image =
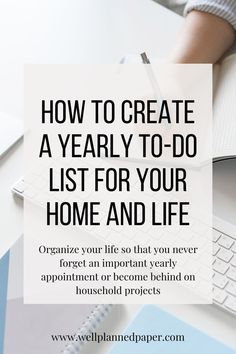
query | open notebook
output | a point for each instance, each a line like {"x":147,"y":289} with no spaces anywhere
{"x":224,"y":107}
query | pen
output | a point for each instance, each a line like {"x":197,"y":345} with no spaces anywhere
{"x":151,"y":76}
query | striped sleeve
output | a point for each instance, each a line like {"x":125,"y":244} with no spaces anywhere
{"x":225,"y":9}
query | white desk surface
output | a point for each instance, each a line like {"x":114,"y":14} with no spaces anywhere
{"x":88,"y":31}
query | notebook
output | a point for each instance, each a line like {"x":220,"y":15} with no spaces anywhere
{"x":11,"y":130}
{"x":224,"y":108}
{"x":153,"y":320}
{"x":32,"y":326}
{"x":224,"y":105}
{"x":4,"y":261}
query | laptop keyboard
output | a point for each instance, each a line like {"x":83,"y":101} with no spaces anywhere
{"x":224,"y":260}
{"x":224,"y":266}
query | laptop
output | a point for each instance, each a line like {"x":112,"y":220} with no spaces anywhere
{"x":11,"y":132}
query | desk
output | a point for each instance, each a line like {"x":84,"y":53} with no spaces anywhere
{"x":86,"y":31}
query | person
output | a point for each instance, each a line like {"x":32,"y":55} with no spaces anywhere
{"x":208,"y":31}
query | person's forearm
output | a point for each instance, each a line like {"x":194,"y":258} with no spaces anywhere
{"x":204,"y":39}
